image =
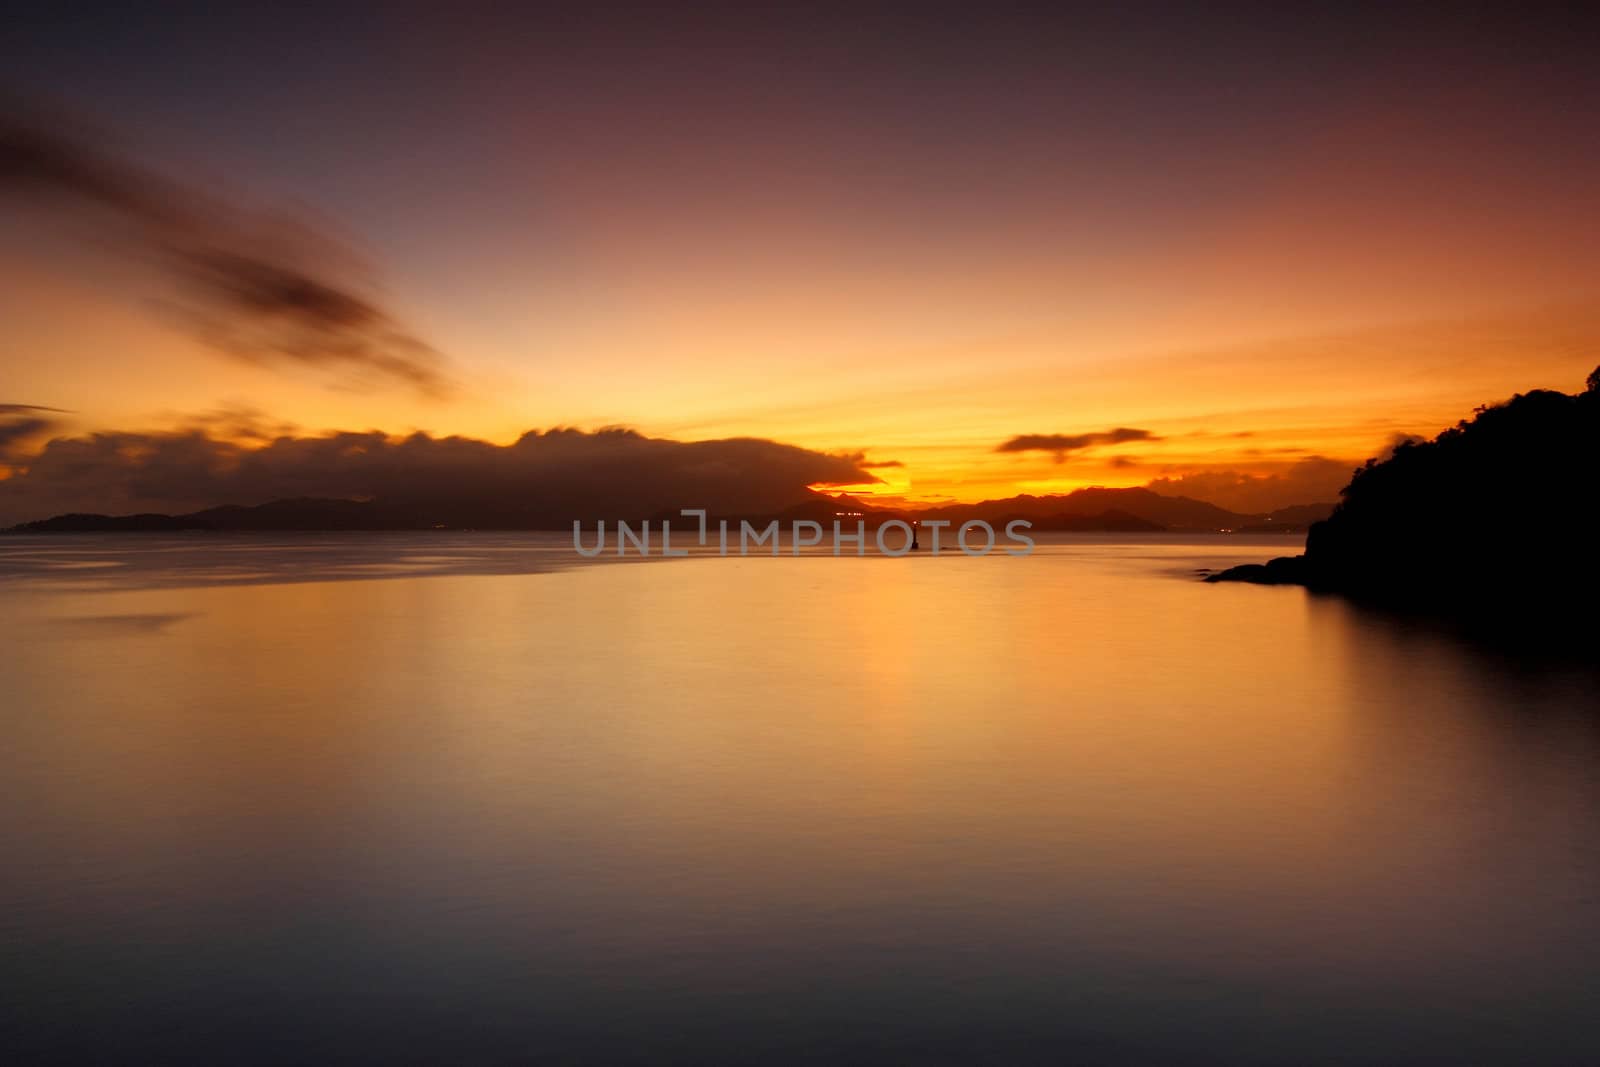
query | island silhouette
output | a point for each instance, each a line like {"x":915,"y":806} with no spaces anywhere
{"x":1492,"y":521}
{"x":1094,"y":510}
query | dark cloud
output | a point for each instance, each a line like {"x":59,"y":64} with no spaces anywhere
{"x":21,"y":423}
{"x":263,"y":291}
{"x":544,"y":475}
{"x":237,"y":422}
{"x":1313,"y":480}
{"x":36,"y":159}
{"x":14,"y":431}
{"x":882,"y":463}
{"x":1061,"y":444}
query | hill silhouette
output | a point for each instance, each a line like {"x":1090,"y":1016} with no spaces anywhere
{"x":1492,"y":519}
{"x":1096,"y":510}
{"x":1112,"y":509}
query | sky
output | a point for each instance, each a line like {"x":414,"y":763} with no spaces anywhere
{"x":965,"y":246}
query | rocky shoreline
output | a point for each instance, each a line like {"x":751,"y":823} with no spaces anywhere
{"x":1284,"y":570}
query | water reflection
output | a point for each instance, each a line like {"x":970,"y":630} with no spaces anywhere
{"x":1070,"y":807}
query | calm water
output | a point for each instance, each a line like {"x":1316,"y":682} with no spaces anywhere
{"x":482,"y":806}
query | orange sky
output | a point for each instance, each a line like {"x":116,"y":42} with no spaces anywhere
{"x":913,"y":262}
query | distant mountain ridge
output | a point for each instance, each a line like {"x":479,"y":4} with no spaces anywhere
{"x":1086,"y":510}
{"x":1167,"y":512}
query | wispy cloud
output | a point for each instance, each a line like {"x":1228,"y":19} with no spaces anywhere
{"x":28,"y":409}
{"x":21,"y":423}
{"x":253,"y":288}
{"x":1062,"y":444}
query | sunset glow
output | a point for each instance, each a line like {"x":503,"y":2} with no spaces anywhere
{"x":912,"y":253}
{"x":791,"y":535}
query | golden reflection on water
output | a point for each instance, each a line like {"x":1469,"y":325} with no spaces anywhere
{"x":1079,"y":774}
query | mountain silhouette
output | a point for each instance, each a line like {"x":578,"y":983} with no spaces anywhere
{"x":304,"y":513}
{"x":1084,"y":511}
{"x":1078,"y":509}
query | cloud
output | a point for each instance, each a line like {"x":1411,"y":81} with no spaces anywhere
{"x":23,"y":409}
{"x":1313,"y":480}
{"x":237,"y":422}
{"x":1061,"y":444}
{"x":21,"y":423}
{"x":545,"y":476}
{"x":880,"y":464}
{"x":257,"y":289}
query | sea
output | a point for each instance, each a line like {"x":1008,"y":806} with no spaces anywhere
{"x":472,"y":798}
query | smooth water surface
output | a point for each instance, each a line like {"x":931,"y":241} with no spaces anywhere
{"x":457,"y":800}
